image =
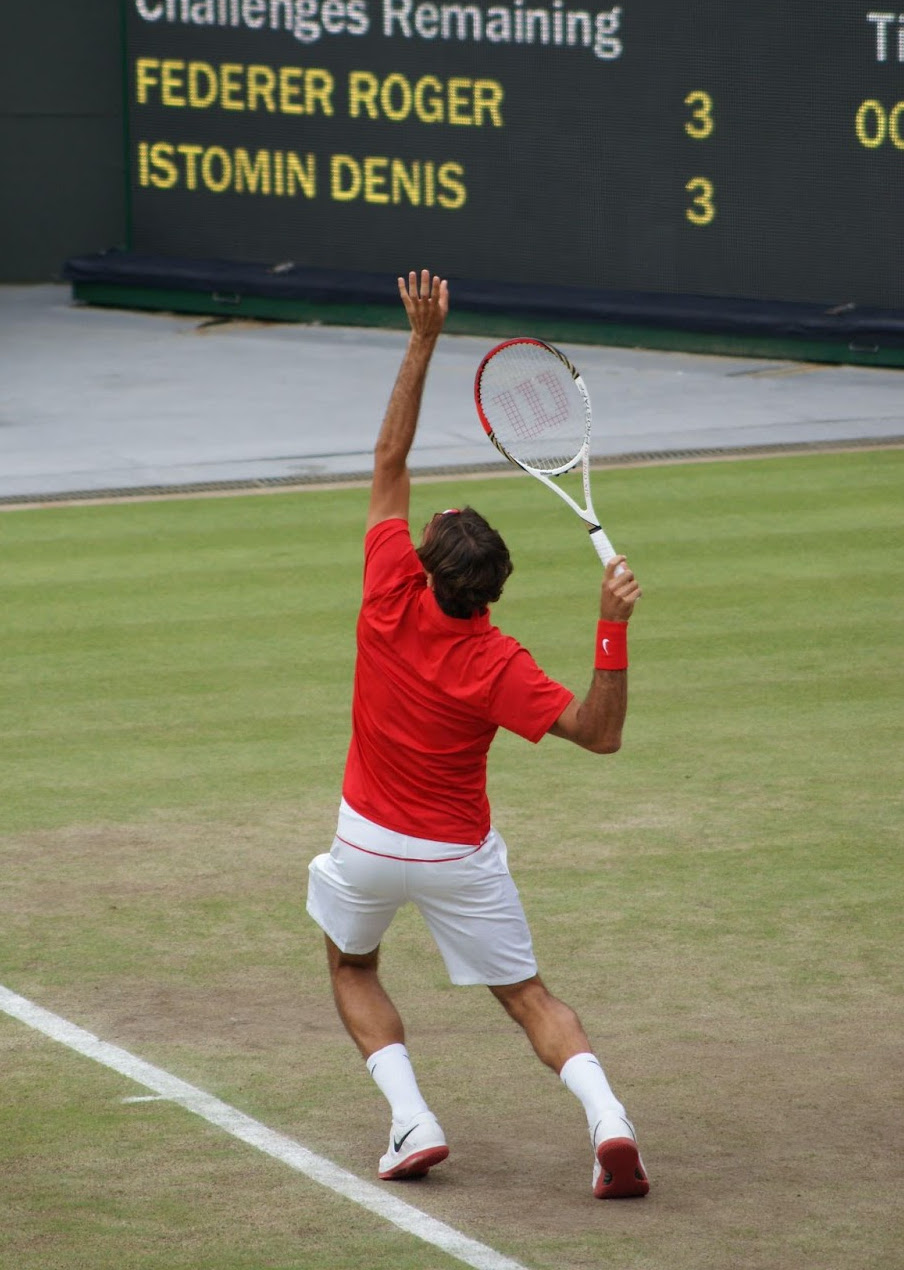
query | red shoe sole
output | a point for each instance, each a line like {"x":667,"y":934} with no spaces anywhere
{"x":622,"y":1175}
{"x":417,"y":1165}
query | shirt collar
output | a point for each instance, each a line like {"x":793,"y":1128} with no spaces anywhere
{"x":463,"y":625}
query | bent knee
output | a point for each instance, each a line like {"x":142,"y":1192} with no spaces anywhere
{"x":341,"y":961}
{"x":518,"y":998}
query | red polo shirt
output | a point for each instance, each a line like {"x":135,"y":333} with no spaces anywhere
{"x":430,"y":692}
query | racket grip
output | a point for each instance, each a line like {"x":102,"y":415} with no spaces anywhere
{"x":603,"y":546}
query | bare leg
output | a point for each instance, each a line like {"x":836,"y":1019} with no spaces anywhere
{"x":552,"y":1027}
{"x":560,"y":1041}
{"x":370,"y":1018}
{"x":376,"y":1027}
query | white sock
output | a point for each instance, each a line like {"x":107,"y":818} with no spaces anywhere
{"x":584,"y":1076}
{"x":391,"y":1069}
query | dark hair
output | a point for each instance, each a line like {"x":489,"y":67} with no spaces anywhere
{"x":468,"y":560}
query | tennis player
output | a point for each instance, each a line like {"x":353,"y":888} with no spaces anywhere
{"x":434,"y":680}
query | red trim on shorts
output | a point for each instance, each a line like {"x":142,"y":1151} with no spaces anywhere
{"x":382,"y":855}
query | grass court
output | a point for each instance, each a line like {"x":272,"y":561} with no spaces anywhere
{"x":720,"y":901}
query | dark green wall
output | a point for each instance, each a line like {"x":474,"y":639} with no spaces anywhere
{"x":61,"y":140}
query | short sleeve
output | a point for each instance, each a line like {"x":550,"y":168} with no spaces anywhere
{"x":389,"y":558}
{"x":525,"y":700}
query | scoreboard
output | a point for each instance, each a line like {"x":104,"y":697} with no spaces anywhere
{"x":720,"y":148}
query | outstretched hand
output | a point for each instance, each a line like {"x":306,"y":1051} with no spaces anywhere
{"x":426,"y":303}
{"x":620,"y":591}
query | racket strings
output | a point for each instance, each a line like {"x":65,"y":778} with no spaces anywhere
{"x":531,"y":412}
{"x":534,"y":407}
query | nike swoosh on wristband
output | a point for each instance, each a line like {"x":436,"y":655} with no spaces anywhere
{"x":606,"y":647}
{"x":397,"y":1146}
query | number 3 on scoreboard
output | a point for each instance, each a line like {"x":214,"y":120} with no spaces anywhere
{"x":701,"y":123}
{"x":702,"y":209}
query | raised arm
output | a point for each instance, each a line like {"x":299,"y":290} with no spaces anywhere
{"x":426,"y":303}
{"x":596,"y":722}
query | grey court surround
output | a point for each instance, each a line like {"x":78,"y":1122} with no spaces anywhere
{"x":95,"y":400}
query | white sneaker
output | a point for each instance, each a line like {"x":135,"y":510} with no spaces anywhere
{"x":618,"y":1171}
{"x":414,"y":1148}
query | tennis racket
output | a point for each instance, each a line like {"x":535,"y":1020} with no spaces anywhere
{"x":535,"y":408}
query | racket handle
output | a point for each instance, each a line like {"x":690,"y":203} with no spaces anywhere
{"x":603,"y":546}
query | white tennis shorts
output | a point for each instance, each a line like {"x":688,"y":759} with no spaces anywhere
{"x":466,"y":895}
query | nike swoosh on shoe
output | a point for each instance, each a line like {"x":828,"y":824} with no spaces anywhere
{"x":397,"y":1143}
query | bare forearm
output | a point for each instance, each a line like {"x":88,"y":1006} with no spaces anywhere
{"x":596,"y":722}
{"x":426,"y":303}
{"x":601,"y":715}
{"x":397,"y":432}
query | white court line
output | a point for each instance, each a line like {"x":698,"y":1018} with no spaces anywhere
{"x":277,"y":1145}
